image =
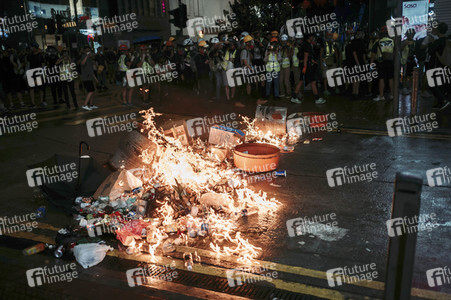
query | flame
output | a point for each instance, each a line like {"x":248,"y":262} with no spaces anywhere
{"x":188,"y":172}
{"x":253,"y":134}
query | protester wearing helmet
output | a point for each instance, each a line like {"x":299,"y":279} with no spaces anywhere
{"x":285,"y":70}
{"x":272,"y":60}
{"x":331,"y":59}
{"x":124,"y":63}
{"x":36,"y":60}
{"x":258,"y":53}
{"x":228,"y":61}
{"x":384,"y":48}
{"x":203,"y":69}
{"x":246,"y":64}
{"x":297,"y":61}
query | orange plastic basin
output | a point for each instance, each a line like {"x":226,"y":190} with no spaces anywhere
{"x":255,"y":157}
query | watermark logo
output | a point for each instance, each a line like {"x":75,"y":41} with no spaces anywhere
{"x":18,"y":23}
{"x":339,"y":276}
{"x":201,"y":126}
{"x":312,"y":124}
{"x":239,"y":276}
{"x":399,"y":26}
{"x":18,"y":123}
{"x":312,"y":225}
{"x":311,"y":25}
{"x":240,"y":76}
{"x":46,"y":275}
{"x":111,"y":124}
{"x":394,"y":27}
{"x":438,"y":276}
{"x":415,"y":124}
{"x":340,"y":76}
{"x":113,"y":24}
{"x":48,"y":175}
{"x":39,"y":76}
{"x":206,"y":25}
{"x":400,"y":226}
{"x":345,"y":175}
{"x":439,"y":76}
{"x":115,"y":223}
{"x":438,"y":176}
{"x":149,"y":274}
{"x":10,"y":225}
{"x":141,"y":76}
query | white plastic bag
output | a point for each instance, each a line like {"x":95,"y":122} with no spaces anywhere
{"x":88,"y":255}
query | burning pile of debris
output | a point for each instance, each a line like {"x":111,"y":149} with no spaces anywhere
{"x":180,"y":192}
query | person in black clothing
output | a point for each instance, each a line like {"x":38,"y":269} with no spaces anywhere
{"x":67,"y":80}
{"x":436,"y":48}
{"x":111,"y":59}
{"x":102,"y":68}
{"x":357,"y":51}
{"x":310,"y":66}
{"x":202,"y":65}
{"x":15,"y":70}
{"x":51,"y":57}
{"x":36,"y":60}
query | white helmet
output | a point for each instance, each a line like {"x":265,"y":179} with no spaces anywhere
{"x":299,"y":35}
{"x":284,"y":38}
{"x":214,"y":40}
{"x":244,"y":33}
{"x":188,"y":42}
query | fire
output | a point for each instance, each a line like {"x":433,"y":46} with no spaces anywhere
{"x":188,"y":173}
{"x":253,"y":134}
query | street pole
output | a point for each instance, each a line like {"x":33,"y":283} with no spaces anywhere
{"x":402,"y":242}
{"x":397,"y":62}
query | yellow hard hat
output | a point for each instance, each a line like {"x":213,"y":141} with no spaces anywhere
{"x":247,"y":38}
{"x":171,"y":38}
{"x":274,"y":33}
{"x":202,"y":44}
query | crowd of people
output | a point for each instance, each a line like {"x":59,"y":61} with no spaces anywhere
{"x":272,"y":64}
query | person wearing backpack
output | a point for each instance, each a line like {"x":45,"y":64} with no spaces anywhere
{"x":384,"y":48}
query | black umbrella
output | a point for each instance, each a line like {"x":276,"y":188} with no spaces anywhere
{"x":62,"y":191}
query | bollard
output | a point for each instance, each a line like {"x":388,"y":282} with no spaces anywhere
{"x":401,"y":246}
{"x":414,"y":95}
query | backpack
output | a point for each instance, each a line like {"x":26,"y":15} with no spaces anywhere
{"x":445,"y":57}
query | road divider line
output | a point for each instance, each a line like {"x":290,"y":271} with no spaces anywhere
{"x":210,"y":270}
{"x":379,"y":132}
{"x":428,"y":294}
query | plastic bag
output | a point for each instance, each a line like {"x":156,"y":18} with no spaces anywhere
{"x":88,"y":255}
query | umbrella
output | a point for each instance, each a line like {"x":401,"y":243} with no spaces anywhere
{"x":61,"y":193}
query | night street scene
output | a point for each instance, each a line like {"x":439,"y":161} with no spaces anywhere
{"x":236,"y":149}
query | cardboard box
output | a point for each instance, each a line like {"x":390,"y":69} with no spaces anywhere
{"x":178,"y":131}
{"x":271,"y":118}
{"x":225,"y":136}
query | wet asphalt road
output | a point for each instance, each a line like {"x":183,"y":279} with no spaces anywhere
{"x":361,"y":208}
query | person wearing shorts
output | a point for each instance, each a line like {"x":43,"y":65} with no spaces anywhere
{"x":385,"y":47}
{"x":87,"y":77}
